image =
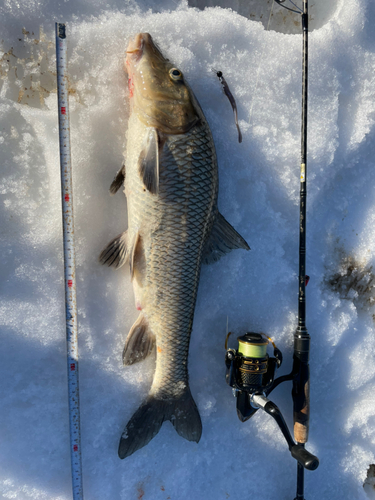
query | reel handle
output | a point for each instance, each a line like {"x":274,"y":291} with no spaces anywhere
{"x":304,"y":457}
{"x":298,"y":451}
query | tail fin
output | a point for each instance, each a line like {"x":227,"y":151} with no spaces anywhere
{"x":147,"y":421}
{"x":186,"y":419}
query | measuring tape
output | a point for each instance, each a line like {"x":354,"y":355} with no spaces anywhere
{"x":69,"y":260}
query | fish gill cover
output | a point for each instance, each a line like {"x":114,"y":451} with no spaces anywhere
{"x":257,"y":290}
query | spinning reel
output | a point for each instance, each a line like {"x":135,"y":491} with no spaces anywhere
{"x":250,"y":371}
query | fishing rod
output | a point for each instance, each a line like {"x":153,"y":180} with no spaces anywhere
{"x":69,"y":260}
{"x":249,"y":370}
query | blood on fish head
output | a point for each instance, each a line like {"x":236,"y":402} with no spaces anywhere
{"x":159,"y":94}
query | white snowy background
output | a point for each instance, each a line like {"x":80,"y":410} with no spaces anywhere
{"x":256,"y":290}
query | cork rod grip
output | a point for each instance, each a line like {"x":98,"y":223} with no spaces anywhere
{"x":301,"y":405}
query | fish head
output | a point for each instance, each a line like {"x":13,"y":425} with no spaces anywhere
{"x":157,"y":89}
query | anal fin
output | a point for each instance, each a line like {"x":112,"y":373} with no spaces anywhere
{"x":139,"y":342}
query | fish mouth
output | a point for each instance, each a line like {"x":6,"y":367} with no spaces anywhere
{"x":134,"y":52}
{"x":136,"y":46}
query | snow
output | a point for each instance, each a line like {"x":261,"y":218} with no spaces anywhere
{"x":256,"y":290}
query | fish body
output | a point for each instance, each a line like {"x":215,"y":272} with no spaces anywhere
{"x":174,"y":225}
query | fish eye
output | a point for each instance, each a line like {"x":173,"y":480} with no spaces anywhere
{"x":175,"y":74}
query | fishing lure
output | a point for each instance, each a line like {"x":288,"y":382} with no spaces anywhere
{"x":228,"y":93}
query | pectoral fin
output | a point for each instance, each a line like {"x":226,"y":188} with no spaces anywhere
{"x":132,"y":253}
{"x":118,"y":181}
{"x":148,"y":163}
{"x":222,"y":240}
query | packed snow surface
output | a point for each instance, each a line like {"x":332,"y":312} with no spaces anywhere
{"x":256,"y":290}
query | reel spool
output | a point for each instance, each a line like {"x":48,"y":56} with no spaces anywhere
{"x":250,"y":370}
{"x":252,"y":353}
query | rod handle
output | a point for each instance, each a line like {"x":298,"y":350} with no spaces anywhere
{"x":301,"y":403}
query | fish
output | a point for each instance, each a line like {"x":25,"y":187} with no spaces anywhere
{"x":174,"y":225}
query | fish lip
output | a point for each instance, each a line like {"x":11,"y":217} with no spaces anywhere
{"x":135,"y":48}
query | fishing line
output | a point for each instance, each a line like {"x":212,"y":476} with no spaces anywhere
{"x":299,"y":10}
{"x":281,"y":3}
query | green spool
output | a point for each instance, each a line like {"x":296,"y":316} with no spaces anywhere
{"x":252,"y":345}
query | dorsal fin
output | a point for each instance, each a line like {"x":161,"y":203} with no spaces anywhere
{"x":222,"y":240}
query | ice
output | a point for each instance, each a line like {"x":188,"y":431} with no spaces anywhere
{"x":256,"y":290}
